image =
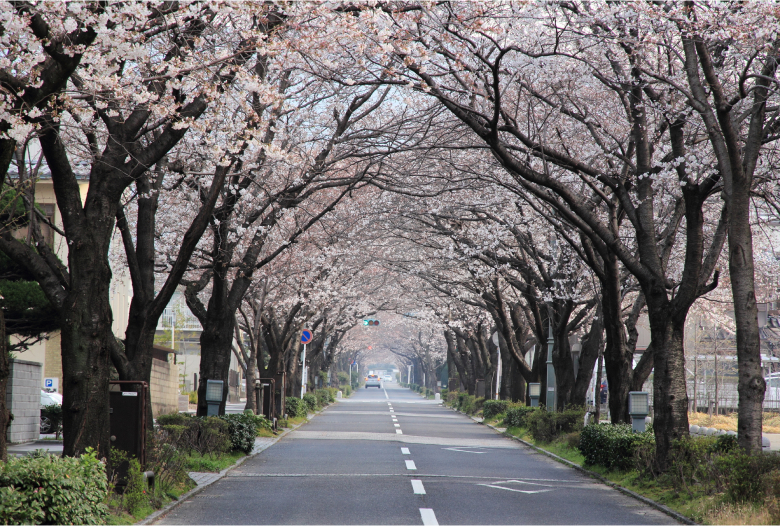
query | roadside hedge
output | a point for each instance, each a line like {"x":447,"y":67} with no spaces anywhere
{"x":47,"y":489}
{"x":296,"y":407}
{"x":546,"y":426}
{"x":205,"y":435}
{"x":612,"y":446}
{"x":311,"y":401}
{"x":516,"y":416}
{"x":242,"y":430}
{"x":493,"y":408}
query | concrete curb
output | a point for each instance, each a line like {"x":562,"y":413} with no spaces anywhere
{"x":657,"y":505}
{"x":159,"y":514}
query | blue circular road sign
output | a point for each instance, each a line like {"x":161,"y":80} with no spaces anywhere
{"x":306,"y":336}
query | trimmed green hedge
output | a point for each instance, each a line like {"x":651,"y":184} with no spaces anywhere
{"x":242,"y":429}
{"x":546,"y":426}
{"x":45,"y":489}
{"x":516,"y":416}
{"x":311,"y":401}
{"x":612,"y":446}
{"x":493,"y":408}
{"x":206,"y":435}
{"x":296,"y":407}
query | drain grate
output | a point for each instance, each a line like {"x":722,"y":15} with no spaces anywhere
{"x":209,"y":496}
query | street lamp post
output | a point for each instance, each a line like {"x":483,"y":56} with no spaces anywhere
{"x":551,"y":391}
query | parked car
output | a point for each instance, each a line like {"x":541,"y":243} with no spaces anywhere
{"x":48,"y":399}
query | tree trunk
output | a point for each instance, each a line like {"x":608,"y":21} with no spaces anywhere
{"x":670,"y":399}
{"x":751,"y":386}
{"x":5,"y":372}
{"x":86,"y":321}
{"x":618,"y":358}
{"x":217,"y":336}
{"x":588,"y":356}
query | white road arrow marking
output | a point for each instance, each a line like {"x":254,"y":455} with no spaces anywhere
{"x":516,"y":490}
{"x":464,"y":449}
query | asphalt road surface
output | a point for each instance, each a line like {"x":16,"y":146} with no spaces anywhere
{"x":386,"y":456}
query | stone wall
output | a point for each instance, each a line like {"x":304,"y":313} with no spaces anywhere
{"x":164,"y":387}
{"x":24,"y":401}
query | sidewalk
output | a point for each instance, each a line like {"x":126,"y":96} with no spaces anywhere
{"x":20,"y":450}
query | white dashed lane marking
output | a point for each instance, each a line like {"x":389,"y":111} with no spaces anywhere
{"x":399,"y":432}
{"x":410,"y":464}
{"x":417,"y":487}
{"x":397,"y":425}
{"x":428,"y":517}
{"x":405,"y":451}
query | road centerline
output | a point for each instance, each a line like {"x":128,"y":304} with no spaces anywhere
{"x":417,"y":487}
{"x":428,"y":517}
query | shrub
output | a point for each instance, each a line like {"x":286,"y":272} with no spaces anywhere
{"x":242,"y":429}
{"x":452,"y":398}
{"x":688,"y":460}
{"x":296,"y":407}
{"x":516,"y":416}
{"x":493,"y":408}
{"x":311,"y":401}
{"x":322,"y":397}
{"x":612,"y":446}
{"x":206,"y":435}
{"x":546,"y":426}
{"x":724,"y":444}
{"x":135,"y":496}
{"x":343,"y":378}
{"x":46,"y":489}
{"x":742,"y":476}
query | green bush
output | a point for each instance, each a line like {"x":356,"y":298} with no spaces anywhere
{"x":46,"y":489}
{"x":546,"y":426}
{"x":322,"y":397}
{"x":612,"y":446}
{"x":343,"y":378}
{"x":296,"y":407}
{"x":205,"y":435}
{"x":311,"y":401}
{"x":261,"y":422}
{"x":347,"y":391}
{"x":743,"y":476}
{"x":516,"y":416}
{"x":493,"y":408}
{"x":135,"y":496}
{"x":242,"y":429}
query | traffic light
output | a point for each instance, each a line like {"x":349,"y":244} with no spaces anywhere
{"x":370,"y":323}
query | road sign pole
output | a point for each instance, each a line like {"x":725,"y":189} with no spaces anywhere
{"x":303,"y":372}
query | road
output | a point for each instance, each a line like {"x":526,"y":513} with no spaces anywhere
{"x":386,"y":456}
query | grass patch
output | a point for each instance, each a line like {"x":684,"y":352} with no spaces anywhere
{"x":702,"y":508}
{"x":267,"y":433}
{"x":212,"y":463}
{"x":771,"y":421}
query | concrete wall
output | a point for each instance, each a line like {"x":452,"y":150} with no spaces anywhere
{"x":24,"y":401}
{"x":164,"y":387}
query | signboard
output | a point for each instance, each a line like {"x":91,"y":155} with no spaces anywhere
{"x":51,"y":383}
{"x":306,"y":336}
